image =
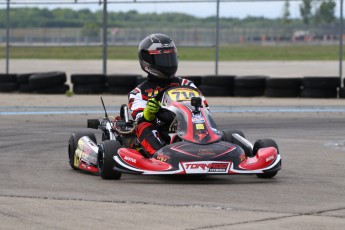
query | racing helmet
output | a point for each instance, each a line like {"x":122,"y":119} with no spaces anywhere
{"x":158,"y":56}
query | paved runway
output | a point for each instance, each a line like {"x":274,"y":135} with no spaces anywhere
{"x":38,"y":189}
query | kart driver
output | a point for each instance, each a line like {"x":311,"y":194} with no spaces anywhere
{"x":158,"y":58}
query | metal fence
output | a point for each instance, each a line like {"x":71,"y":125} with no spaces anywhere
{"x":216,"y":36}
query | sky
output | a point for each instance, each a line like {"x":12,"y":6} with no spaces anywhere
{"x":227,"y":9}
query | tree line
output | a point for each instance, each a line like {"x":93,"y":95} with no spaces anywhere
{"x":313,"y":12}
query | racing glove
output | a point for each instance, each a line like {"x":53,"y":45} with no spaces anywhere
{"x":152,"y":107}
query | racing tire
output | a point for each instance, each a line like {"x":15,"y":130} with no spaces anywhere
{"x":88,"y":79}
{"x":319,"y":93}
{"x":227,"y":135}
{"x":46,"y":80}
{"x":120,"y":80}
{"x":244,"y":144}
{"x":282,"y":92}
{"x":8,"y":78}
{"x":89,"y":89}
{"x":24,"y":78}
{"x":284,"y":83}
{"x":342,"y":93}
{"x":124,"y":90}
{"x":263,"y":143}
{"x":61,"y":89}
{"x":249,"y":92}
{"x":321,"y":82}
{"x":73,"y":144}
{"x":250,"y":82}
{"x":226,"y":81}
{"x":8,"y":86}
{"x":215,"y":91}
{"x":107,"y":150}
{"x":141,"y":79}
{"x":25,"y":88}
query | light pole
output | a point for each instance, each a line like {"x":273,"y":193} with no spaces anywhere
{"x":8,"y":37}
{"x":341,"y":44}
{"x":217,"y":39}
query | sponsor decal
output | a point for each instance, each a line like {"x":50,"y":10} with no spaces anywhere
{"x":168,"y":51}
{"x":130,"y":159}
{"x":152,"y":92}
{"x":206,"y":152}
{"x":205,"y":167}
{"x":200,"y":126}
{"x":197,"y":118}
{"x":162,"y":157}
{"x":269,"y":158}
{"x":201,"y":134}
{"x":182,"y":94}
{"x":163,"y":50}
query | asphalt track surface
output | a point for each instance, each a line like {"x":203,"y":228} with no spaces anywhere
{"x":39,"y":190}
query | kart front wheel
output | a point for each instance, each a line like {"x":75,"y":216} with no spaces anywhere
{"x":107,"y":150}
{"x":73,"y":144}
{"x":227,"y":135}
{"x":263,"y":143}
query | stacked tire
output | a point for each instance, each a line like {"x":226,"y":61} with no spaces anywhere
{"x":8,"y":82}
{"x":249,"y":86}
{"x":283,"y":87}
{"x":217,"y":86}
{"x":122,"y":83}
{"x":342,"y":90}
{"x":88,"y":83}
{"x":320,"y":87}
{"x":43,"y":83}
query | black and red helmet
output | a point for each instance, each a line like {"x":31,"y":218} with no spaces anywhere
{"x":158,"y":56}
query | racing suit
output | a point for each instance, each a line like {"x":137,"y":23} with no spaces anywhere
{"x":151,"y":136}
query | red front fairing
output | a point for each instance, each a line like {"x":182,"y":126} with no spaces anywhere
{"x":262,"y":159}
{"x":189,"y":158}
{"x":134,"y":160}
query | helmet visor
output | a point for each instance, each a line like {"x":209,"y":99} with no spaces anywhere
{"x":165,"y":59}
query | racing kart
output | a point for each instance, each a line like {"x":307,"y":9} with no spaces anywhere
{"x":196,"y":145}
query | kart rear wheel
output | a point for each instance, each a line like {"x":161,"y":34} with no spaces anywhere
{"x":73,"y":144}
{"x":263,"y":143}
{"x":107,"y":150}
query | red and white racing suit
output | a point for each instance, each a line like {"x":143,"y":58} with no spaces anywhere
{"x":149,"y":136}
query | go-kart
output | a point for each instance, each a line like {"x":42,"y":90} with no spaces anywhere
{"x":196,"y":145}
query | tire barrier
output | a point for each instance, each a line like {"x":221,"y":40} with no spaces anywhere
{"x":88,"y":83}
{"x":249,"y":86}
{"x":283,"y":87}
{"x":47,"y":83}
{"x":60,"y":89}
{"x":342,"y":93}
{"x":122,"y":83}
{"x":320,"y":87}
{"x":210,"y":85}
{"x":141,"y":79}
{"x":24,"y":78}
{"x":89,"y":89}
{"x":8,"y":82}
{"x":217,"y":86}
